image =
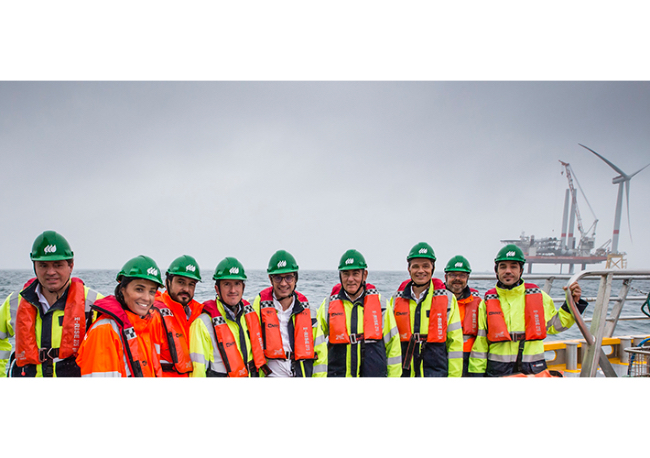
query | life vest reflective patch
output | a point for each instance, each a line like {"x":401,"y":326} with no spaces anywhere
{"x":303,"y":335}
{"x":534,"y":316}
{"x":111,"y":307}
{"x":178,"y":347}
{"x":372,"y":317}
{"x":440,"y":302}
{"x":74,"y":325}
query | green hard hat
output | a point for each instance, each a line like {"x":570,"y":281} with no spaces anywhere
{"x":229,"y":269}
{"x":141,"y":267}
{"x":50,"y":246}
{"x":510,"y":252}
{"x":421,"y":250}
{"x":282,"y":263}
{"x":185,"y":266}
{"x":458,"y":264}
{"x":351,"y":260}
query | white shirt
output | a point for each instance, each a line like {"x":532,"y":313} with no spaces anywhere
{"x":44,"y":303}
{"x":282,"y":367}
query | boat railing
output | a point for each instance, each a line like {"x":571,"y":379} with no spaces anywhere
{"x":602,"y":324}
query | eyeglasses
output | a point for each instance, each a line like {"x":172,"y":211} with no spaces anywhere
{"x":290,"y":278}
{"x":460,"y":275}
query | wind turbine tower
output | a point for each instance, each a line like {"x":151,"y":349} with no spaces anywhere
{"x":616,"y":259}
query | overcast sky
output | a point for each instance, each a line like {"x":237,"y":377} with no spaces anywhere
{"x":215,"y":169}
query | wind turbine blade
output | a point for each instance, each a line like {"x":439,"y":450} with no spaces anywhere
{"x":606,"y":161}
{"x":638,"y":171}
{"x":627,"y":204}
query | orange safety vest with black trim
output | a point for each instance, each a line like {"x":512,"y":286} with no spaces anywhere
{"x":437,"y":331}
{"x":372,"y":317}
{"x":303,"y":335}
{"x":468,"y":309}
{"x":74,"y":327}
{"x":178,"y":347}
{"x":227,"y":346}
{"x":111,"y":307}
{"x":497,"y":330}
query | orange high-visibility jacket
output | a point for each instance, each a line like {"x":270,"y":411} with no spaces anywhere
{"x":104,"y":353}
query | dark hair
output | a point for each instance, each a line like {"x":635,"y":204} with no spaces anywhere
{"x":118,"y":290}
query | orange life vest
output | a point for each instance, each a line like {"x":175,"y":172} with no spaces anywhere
{"x":534,"y":316}
{"x":111,"y":307}
{"x":303,"y":336}
{"x":437,"y":331}
{"x":231,"y":356}
{"x":178,"y":346}
{"x":468,"y":309}
{"x":74,"y":326}
{"x":372,"y":319}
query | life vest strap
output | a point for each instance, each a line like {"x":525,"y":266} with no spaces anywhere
{"x":416,"y":338}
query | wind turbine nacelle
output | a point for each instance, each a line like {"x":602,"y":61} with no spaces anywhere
{"x":618,"y":179}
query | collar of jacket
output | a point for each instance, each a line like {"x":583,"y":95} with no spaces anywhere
{"x":29,"y":294}
{"x":502,"y":286}
{"x":408,"y":289}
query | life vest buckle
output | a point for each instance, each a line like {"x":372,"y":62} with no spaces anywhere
{"x":44,"y":354}
{"x":356,"y":338}
{"x":517,"y":336}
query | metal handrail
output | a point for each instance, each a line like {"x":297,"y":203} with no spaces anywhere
{"x":594,"y":354}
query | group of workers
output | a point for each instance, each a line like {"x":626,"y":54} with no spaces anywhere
{"x":150,"y":327}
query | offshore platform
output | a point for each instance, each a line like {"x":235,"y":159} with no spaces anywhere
{"x":570,"y":250}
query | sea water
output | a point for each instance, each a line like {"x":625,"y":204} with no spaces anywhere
{"x":316,"y":285}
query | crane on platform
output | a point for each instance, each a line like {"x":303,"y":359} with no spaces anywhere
{"x":587,"y":237}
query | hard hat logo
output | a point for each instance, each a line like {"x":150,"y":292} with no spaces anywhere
{"x":234,"y":270}
{"x":459,"y":264}
{"x":152,"y":271}
{"x":50,"y":249}
{"x":423,"y":251}
{"x":510,"y":254}
{"x":190,"y":268}
{"x":349,"y":261}
{"x":282,"y":264}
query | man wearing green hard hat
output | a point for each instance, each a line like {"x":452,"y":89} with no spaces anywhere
{"x":286,"y":319}
{"x":514,"y":319}
{"x":180,"y":283}
{"x":356,"y":334}
{"x":428,"y":320}
{"x":457,"y":273}
{"x":49,"y":317}
{"x":226,"y":339}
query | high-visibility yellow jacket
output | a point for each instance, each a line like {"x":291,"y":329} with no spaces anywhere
{"x":332,"y":357}
{"x":496,"y":359}
{"x":204,"y":352}
{"x":426,"y":360}
{"x":53,"y":319}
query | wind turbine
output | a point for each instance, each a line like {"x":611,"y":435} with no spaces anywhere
{"x":620,"y":180}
